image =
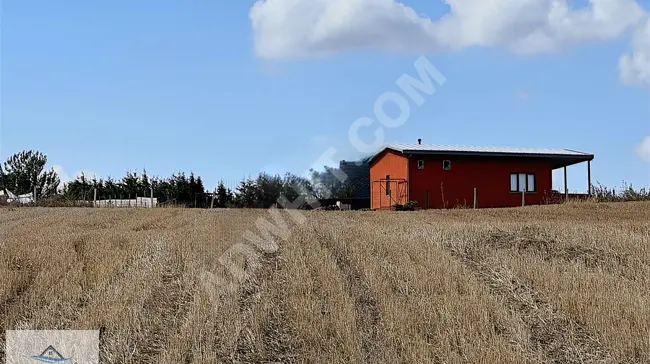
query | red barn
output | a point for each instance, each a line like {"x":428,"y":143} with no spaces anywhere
{"x":443,"y":176}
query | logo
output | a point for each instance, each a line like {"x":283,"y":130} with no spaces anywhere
{"x":61,"y":346}
{"x":50,"y":355}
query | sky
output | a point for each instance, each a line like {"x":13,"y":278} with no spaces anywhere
{"x":227,"y":89}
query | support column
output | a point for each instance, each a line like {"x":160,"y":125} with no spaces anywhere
{"x":475,"y":197}
{"x":589,"y":177}
{"x":566,"y":186}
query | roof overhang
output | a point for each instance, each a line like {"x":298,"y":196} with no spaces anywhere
{"x":557,"y":160}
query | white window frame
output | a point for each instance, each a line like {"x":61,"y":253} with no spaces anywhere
{"x":521,"y":182}
{"x":420,"y":163}
{"x":448,"y":163}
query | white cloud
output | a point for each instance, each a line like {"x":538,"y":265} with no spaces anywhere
{"x":643,"y":149}
{"x":63,"y":175}
{"x":299,"y":28}
{"x":634,"y":67}
{"x":66,"y":178}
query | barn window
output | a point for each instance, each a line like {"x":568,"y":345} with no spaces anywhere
{"x":530,"y":183}
{"x":446,"y":165}
{"x":520,"y":182}
{"x":420,"y":164}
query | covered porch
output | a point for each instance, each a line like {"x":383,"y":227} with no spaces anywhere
{"x":562,"y":163}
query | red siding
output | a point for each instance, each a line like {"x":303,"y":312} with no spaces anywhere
{"x":490,"y":176}
{"x":388,"y":163}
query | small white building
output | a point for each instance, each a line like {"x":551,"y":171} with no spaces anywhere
{"x":134,"y":202}
{"x":21,"y":199}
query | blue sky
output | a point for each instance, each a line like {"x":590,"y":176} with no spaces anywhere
{"x":227,"y":89}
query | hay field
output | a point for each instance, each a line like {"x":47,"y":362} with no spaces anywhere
{"x":553,"y":284}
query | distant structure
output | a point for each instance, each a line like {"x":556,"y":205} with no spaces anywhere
{"x":447,"y":176}
{"x":10,"y":197}
{"x":358,"y":177}
{"x":147,"y":202}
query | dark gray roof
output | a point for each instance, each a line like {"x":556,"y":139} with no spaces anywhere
{"x":358,"y":176}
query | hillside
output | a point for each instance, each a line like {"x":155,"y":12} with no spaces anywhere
{"x":566,"y":284}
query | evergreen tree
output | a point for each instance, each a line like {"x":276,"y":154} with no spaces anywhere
{"x":224,"y":196}
{"x":25,"y":170}
{"x":145,"y":185}
{"x":130,"y":184}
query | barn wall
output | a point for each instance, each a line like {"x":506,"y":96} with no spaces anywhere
{"x":388,"y":163}
{"x":490,"y":176}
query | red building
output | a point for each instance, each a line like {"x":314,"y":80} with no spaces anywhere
{"x":443,"y":176}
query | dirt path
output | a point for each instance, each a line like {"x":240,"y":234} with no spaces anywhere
{"x":11,"y":305}
{"x":164,"y":311}
{"x":552,"y":336}
{"x":263,"y":311}
{"x":367,"y":314}
{"x":534,"y":241}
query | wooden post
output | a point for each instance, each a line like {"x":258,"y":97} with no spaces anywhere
{"x":213,"y":196}
{"x":475,"y":198}
{"x":95,"y":197}
{"x":589,"y":178}
{"x":151,"y":197}
{"x":566,"y":186}
{"x":523,"y":197}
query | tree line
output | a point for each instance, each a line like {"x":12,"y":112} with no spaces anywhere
{"x":25,"y":173}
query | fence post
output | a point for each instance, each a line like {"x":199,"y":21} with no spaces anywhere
{"x":151,"y":197}
{"x":475,"y":198}
{"x":523,"y":197}
{"x":95,"y":198}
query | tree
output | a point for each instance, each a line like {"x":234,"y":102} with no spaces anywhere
{"x":247,"y":193}
{"x":295,"y":186}
{"x":130,"y":183}
{"x":25,"y":170}
{"x":326,"y":184}
{"x":145,"y":184}
{"x":79,"y":189}
{"x":224,"y":196}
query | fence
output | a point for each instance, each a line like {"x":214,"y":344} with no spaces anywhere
{"x":137,"y":202}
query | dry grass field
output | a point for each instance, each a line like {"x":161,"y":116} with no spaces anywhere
{"x":554,"y":284}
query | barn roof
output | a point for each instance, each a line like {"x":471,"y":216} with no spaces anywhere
{"x":358,"y":176}
{"x":559,"y":157}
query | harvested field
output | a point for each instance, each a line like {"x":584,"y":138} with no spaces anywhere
{"x":553,"y":284}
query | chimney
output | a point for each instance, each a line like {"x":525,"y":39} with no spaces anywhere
{"x":419,"y":141}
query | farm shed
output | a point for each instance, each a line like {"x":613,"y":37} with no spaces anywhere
{"x":445,"y":176}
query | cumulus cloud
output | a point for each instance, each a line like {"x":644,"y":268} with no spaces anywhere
{"x":634,"y":67}
{"x":66,"y":178}
{"x":299,"y":28}
{"x":643,"y":149}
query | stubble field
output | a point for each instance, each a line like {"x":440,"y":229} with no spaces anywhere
{"x":555,"y":284}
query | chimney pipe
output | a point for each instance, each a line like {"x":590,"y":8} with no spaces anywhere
{"x":419,"y":141}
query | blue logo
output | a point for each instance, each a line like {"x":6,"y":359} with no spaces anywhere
{"x":50,"y":355}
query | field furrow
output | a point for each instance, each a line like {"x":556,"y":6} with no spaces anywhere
{"x":552,"y":284}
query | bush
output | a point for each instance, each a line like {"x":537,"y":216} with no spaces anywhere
{"x":601,"y":193}
{"x":409,"y":206}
